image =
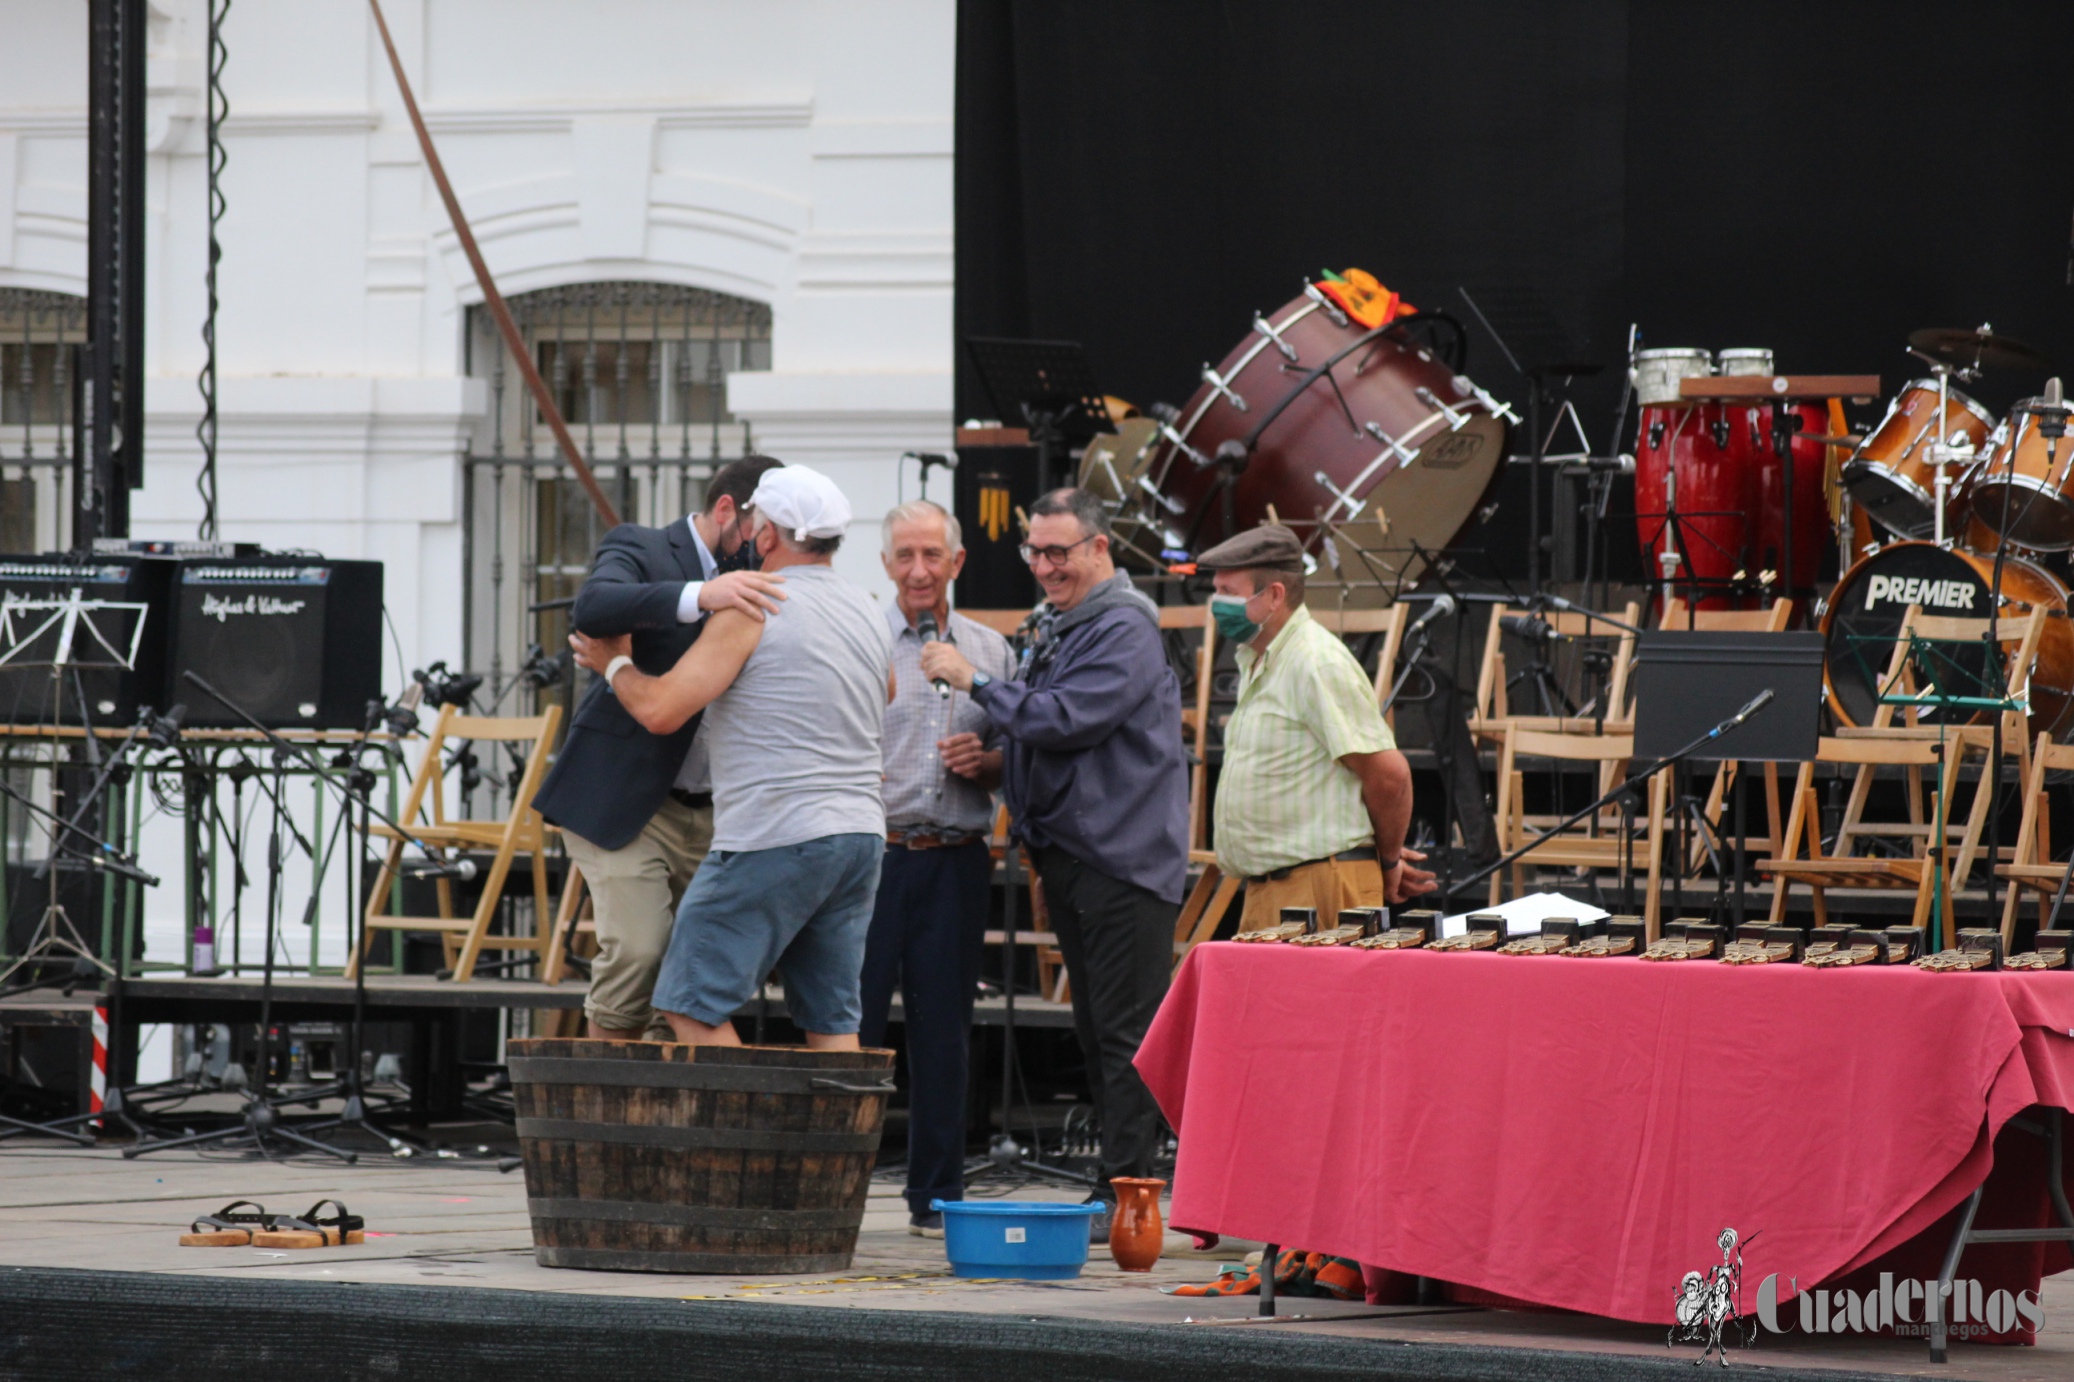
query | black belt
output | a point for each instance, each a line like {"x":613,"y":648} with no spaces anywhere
{"x":1345,"y":856}
{"x":697,"y":801}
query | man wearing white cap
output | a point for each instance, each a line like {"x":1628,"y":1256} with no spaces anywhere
{"x":794,"y":710}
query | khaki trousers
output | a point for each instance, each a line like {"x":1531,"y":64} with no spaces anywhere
{"x":1327,"y":885}
{"x":634,"y":894}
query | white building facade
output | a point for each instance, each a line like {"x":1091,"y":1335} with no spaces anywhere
{"x":792,"y":155}
{"x":724,"y":223}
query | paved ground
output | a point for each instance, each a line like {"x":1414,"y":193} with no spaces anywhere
{"x":460,"y":1224}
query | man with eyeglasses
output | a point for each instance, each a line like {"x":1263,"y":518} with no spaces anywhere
{"x":1097,"y":784}
{"x":1314,"y":797}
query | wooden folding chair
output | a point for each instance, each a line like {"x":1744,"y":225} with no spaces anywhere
{"x":575,"y":918}
{"x":1391,"y":624}
{"x":2031,"y":869}
{"x":1595,"y":843}
{"x":1802,"y":858}
{"x":2016,"y":636}
{"x":522,"y":831}
{"x":1493,"y":708}
{"x":1195,"y":719}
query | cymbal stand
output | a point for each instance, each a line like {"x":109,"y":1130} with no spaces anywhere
{"x":1943,"y":452}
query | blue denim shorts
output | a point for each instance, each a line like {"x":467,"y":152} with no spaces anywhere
{"x":803,"y":910}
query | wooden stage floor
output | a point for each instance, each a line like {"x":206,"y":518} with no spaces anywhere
{"x":454,"y":1237}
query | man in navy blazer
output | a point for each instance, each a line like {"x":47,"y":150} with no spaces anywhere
{"x":636,"y":809}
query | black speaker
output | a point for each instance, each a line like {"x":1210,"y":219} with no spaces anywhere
{"x":31,"y":632}
{"x":295,"y":641}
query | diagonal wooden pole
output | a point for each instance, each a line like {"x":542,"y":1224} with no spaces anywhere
{"x":492,"y":299}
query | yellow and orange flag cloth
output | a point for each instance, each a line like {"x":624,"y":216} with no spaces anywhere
{"x":1364,"y":299}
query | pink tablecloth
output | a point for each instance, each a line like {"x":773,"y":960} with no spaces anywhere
{"x":1576,"y":1133}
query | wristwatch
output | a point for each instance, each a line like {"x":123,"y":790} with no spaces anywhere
{"x":980,"y":679}
{"x":1387,"y":864}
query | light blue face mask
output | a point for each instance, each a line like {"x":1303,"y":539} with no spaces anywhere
{"x":1229,"y":614}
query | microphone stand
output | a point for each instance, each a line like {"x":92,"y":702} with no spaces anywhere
{"x":1757,"y":703}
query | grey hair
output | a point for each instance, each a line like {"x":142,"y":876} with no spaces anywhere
{"x":914,"y":511}
{"x":812,"y":546}
{"x":1083,"y":505}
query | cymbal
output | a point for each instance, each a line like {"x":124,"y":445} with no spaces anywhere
{"x":1979,"y":348}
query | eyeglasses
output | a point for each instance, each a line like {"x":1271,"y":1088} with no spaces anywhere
{"x":1055,"y":555}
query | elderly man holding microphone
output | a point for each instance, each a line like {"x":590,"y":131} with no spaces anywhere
{"x":1314,"y":798}
{"x":1097,"y":784}
{"x":928,"y":927}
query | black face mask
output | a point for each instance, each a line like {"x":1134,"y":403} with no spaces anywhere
{"x":743,"y":558}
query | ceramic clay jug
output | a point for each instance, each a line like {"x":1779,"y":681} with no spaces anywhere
{"x":1135,"y":1233}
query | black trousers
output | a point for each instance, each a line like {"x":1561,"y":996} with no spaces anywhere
{"x":1118,"y":940}
{"x":927,"y":927}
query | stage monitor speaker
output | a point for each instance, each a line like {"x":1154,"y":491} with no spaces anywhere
{"x":991,"y":483}
{"x":31,"y":631}
{"x":295,"y":641}
{"x":1686,"y":682}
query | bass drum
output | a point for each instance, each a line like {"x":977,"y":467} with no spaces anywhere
{"x":1327,"y":420}
{"x":1866,"y":608}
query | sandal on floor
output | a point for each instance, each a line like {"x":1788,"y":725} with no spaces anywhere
{"x":1233,"y":1281}
{"x":311,"y":1230}
{"x":229,"y":1227}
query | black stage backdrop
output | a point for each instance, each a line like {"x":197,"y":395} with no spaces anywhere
{"x":1142,"y":175}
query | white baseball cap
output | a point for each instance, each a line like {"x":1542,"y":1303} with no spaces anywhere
{"x":802,"y":501}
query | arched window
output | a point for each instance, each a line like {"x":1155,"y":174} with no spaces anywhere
{"x":639,"y":372}
{"x":40,"y":338}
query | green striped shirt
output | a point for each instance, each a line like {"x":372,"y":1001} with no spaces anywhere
{"x":1284,"y":797}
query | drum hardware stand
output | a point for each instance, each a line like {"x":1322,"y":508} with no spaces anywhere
{"x":1755,"y":705}
{"x":2052,"y":414}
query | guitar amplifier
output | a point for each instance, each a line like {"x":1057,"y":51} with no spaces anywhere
{"x":118,"y":650}
{"x":295,"y":641}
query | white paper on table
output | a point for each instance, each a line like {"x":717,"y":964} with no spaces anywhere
{"x":1525,"y":914}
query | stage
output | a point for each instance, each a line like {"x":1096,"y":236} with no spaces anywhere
{"x":446,"y":1288}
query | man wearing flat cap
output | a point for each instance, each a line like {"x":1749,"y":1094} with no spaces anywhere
{"x":1314,"y":798}
{"x":794,"y":709}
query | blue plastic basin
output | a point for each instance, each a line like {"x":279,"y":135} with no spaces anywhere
{"x":1028,"y":1240}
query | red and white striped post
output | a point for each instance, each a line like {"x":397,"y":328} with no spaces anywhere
{"x":97,"y":1078}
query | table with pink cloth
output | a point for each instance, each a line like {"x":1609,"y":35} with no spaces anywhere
{"x":1575,"y":1133}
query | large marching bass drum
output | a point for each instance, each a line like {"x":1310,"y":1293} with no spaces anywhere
{"x":1329,"y":409}
{"x":1864,"y":614}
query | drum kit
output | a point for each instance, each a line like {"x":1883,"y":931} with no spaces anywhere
{"x":1321,"y":416}
{"x":1971,"y":506}
{"x":1336,"y":420}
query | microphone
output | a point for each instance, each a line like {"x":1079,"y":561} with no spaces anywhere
{"x":2051,"y":411}
{"x":1757,"y":702}
{"x":1439,"y":609}
{"x":463,"y":869}
{"x":1531,"y":627}
{"x":926,"y":627}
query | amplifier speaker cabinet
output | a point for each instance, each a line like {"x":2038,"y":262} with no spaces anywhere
{"x":295,"y":641}
{"x":32,"y":627}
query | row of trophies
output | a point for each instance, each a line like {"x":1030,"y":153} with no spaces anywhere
{"x":1755,"y":943}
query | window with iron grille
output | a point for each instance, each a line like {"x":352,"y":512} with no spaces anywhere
{"x":639,"y":371}
{"x":40,"y":338}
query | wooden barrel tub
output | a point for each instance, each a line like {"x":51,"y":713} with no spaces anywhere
{"x":643,"y":1157}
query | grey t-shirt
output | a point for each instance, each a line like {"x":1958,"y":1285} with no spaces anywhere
{"x":795,"y":741}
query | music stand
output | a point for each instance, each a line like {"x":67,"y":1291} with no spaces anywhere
{"x":52,"y":633}
{"x":1686,"y":680}
{"x":1051,"y":386}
